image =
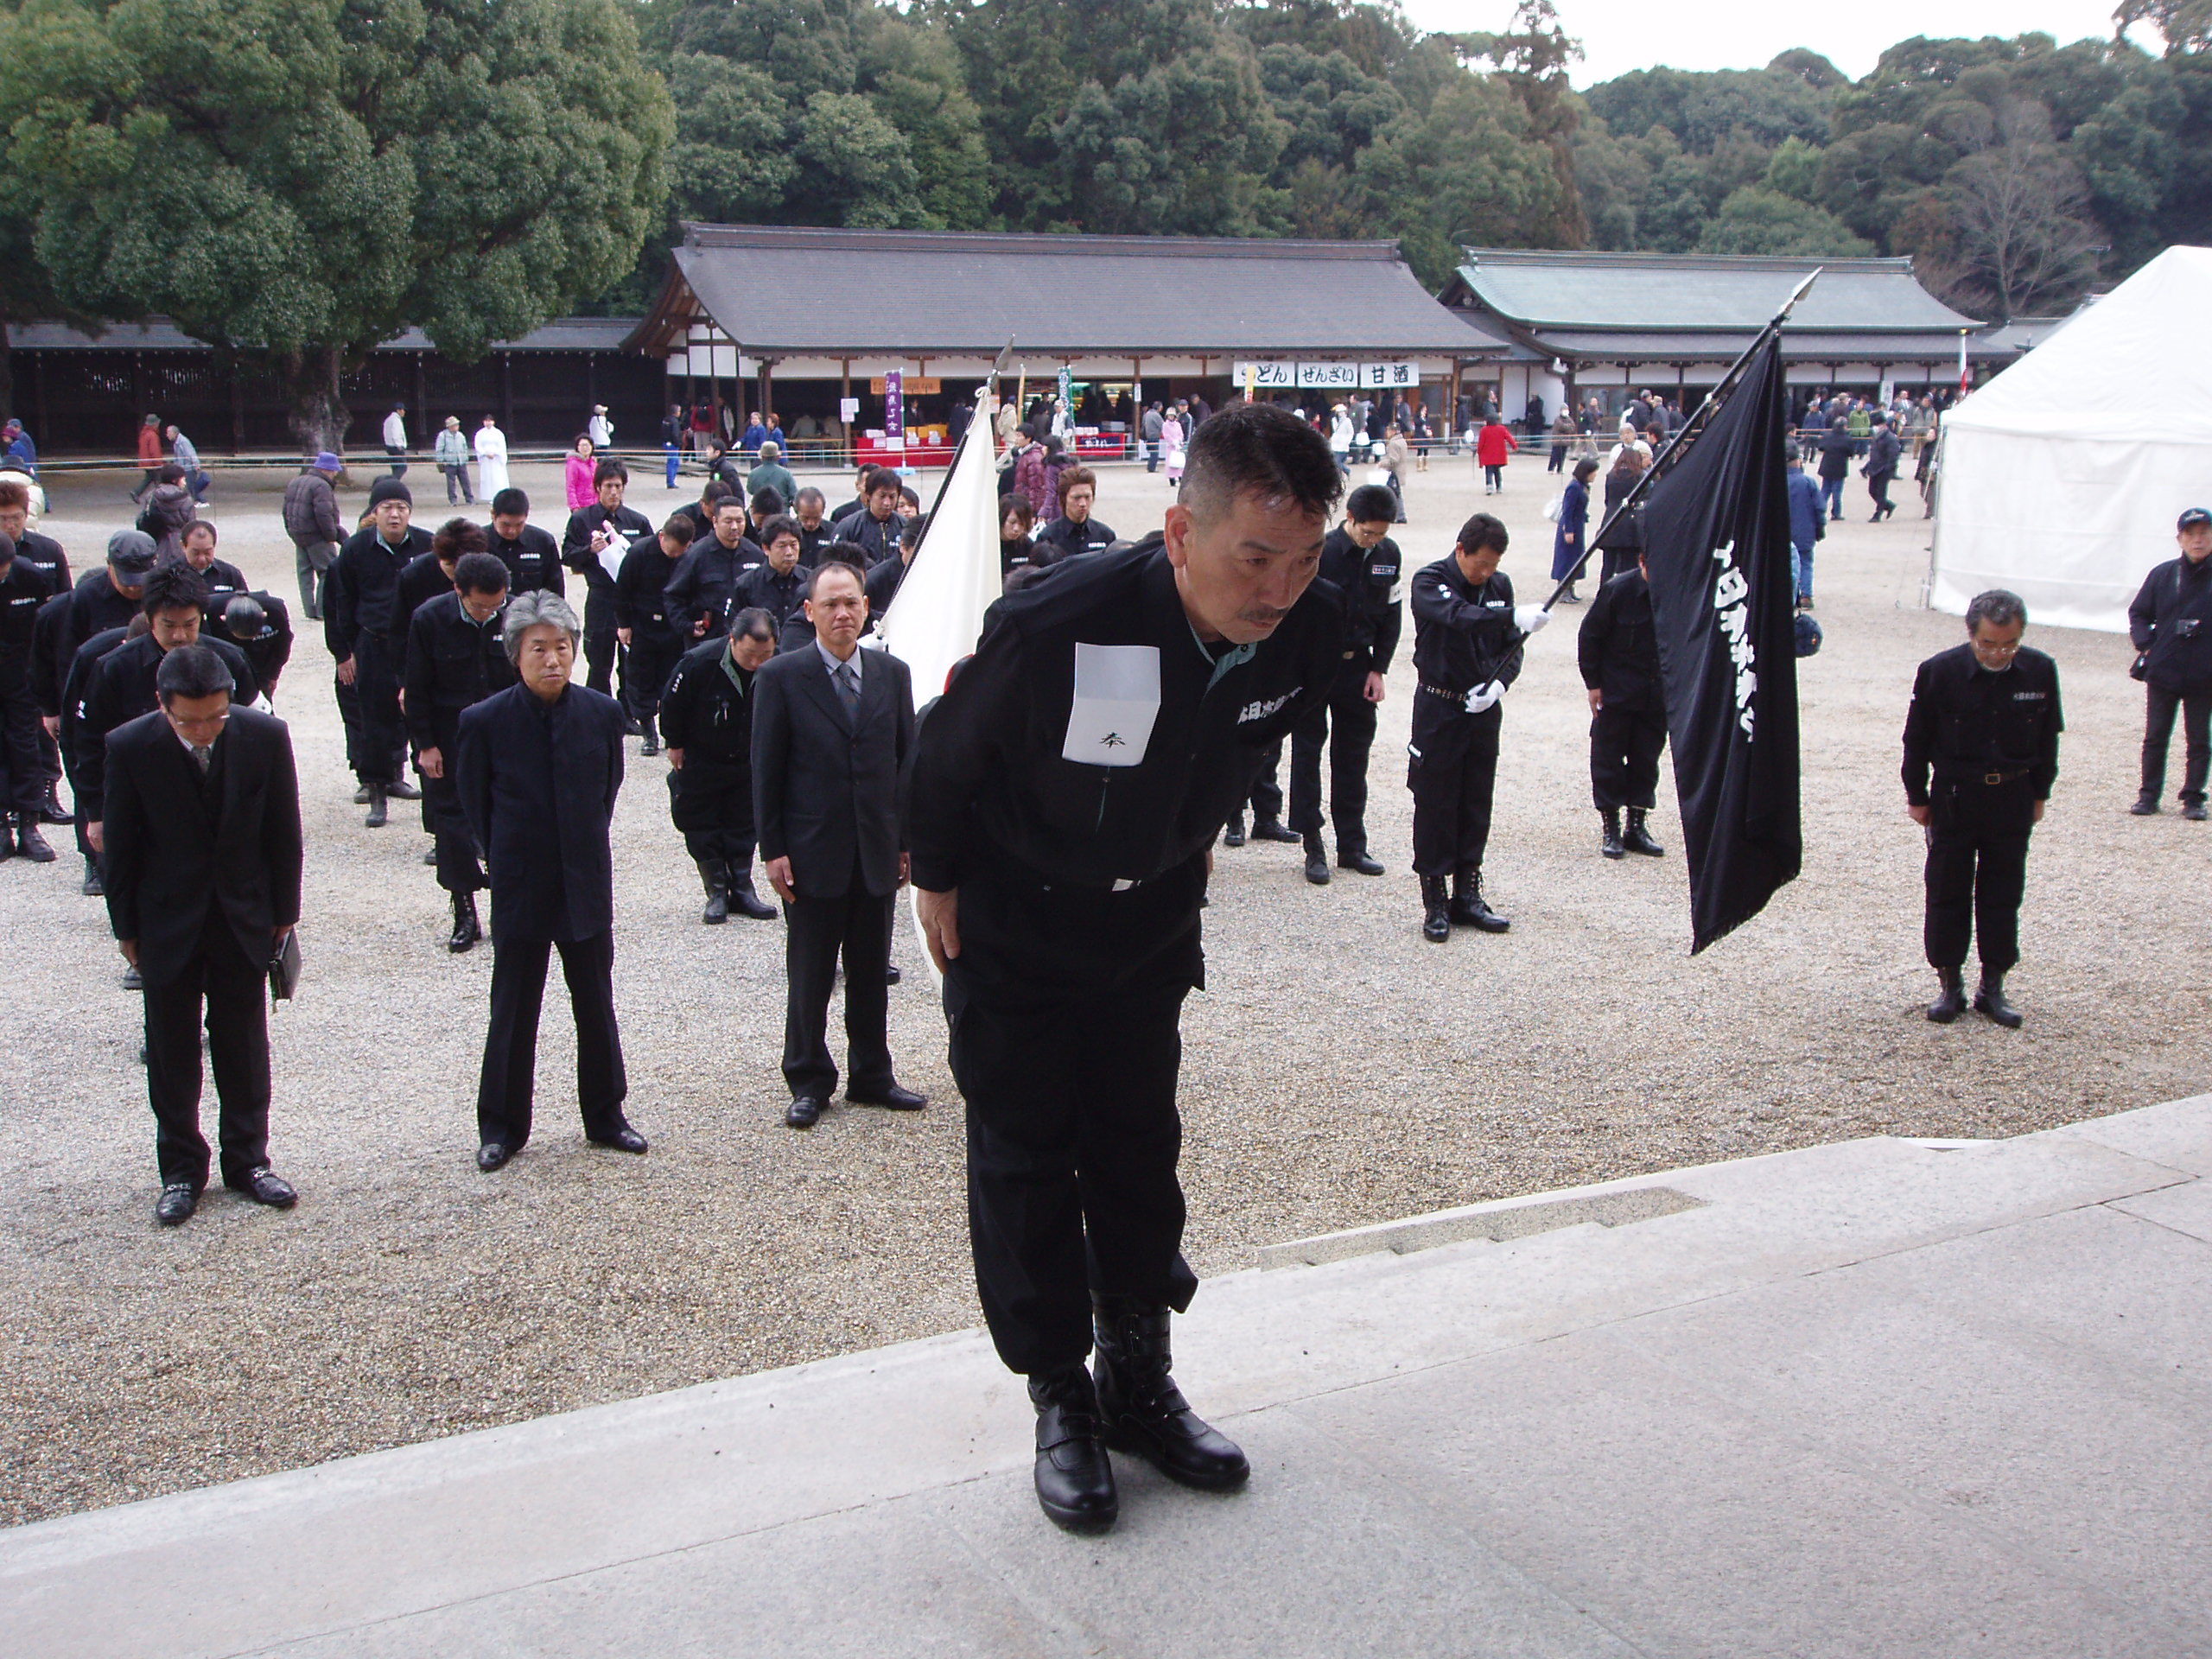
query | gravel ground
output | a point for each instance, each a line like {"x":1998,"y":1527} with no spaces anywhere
{"x":1339,"y":1070}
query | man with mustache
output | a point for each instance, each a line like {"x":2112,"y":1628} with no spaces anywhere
{"x":1065,"y":796}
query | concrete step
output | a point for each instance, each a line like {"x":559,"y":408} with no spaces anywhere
{"x":1872,"y":1398}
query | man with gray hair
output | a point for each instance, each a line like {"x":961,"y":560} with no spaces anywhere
{"x":1980,"y":754}
{"x":540,"y":765}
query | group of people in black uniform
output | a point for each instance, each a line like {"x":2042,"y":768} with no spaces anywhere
{"x":1056,"y":810}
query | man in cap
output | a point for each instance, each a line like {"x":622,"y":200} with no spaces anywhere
{"x":1980,"y":754}
{"x":2170,"y":622}
{"x":103,"y":598}
{"x":366,"y":634}
{"x":311,"y":520}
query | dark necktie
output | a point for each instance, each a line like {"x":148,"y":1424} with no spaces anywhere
{"x":202,"y":754}
{"x":848,"y":688}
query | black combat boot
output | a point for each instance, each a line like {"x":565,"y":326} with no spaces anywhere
{"x":651,"y":723}
{"x":1611,"y":844}
{"x":29,"y":842}
{"x":1990,"y":1000}
{"x":1075,"y":1477}
{"x":400,"y":789}
{"x":1436,"y":910}
{"x":50,"y":809}
{"x":745,"y":902}
{"x":1233,"y":834}
{"x":713,"y":874}
{"x":1638,"y":839}
{"x":466,"y":930}
{"x":379,"y":815}
{"x":1143,"y":1410}
{"x":1317,"y":859}
{"x":1953,"y":1002}
{"x":1272,"y":829}
{"x":1353,"y":856}
{"x":1468,"y":908}
{"x":93,"y":887}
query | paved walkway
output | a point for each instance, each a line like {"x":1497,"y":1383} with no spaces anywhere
{"x":1875,"y":1398}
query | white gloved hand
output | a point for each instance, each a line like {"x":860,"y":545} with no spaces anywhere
{"x":1484,"y":696}
{"x":1531,"y":619}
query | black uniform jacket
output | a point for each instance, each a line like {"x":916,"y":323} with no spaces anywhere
{"x":1063,"y":538}
{"x":825,"y":784}
{"x":779,"y":595}
{"x":1464,"y":636}
{"x":361,"y":593}
{"x":1364,"y":586}
{"x":221,"y":576}
{"x":23,"y":590}
{"x":641,"y":590}
{"x":91,"y":606}
{"x":1619,"y":647}
{"x":706,"y":580}
{"x":1967,"y":722}
{"x":423,"y":580}
{"x":44,"y":554}
{"x":454,"y":662}
{"x":2171,"y":619}
{"x":627,"y":524}
{"x":533,"y":560}
{"x":175,"y":844}
{"x":538,"y":782}
{"x":706,"y":712}
{"x":267,"y":651}
{"x":76,"y":686}
{"x":122,"y":689}
{"x":879,"y":536}
{"x":991,"y":782}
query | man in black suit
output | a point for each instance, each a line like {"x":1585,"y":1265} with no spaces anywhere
{"x":366,"y":631}
{"x":540,"y":765}
{"x":202,"y":853}
{"x":830,"y":732}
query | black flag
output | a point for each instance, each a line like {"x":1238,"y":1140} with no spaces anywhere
{"x":1716,"y":541}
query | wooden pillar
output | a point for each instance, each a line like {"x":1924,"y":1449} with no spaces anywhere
{"x":507,"y":395}
{"x":421,"y":398}
{"x":767,"y":388}
{"x":38,"y":384}
{"x":237,"y":408}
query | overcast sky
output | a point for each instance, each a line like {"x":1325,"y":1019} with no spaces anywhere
{"x":1618,"y":35}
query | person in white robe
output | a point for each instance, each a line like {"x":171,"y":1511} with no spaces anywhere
{"x":491,"y":460}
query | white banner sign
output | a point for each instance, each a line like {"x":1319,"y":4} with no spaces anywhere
{"x":1390,"y":376}
{"x":1267,"y":377}
{"x":1330,"y":376}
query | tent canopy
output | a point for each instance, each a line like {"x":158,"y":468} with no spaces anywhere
{"x":2063,"y":477}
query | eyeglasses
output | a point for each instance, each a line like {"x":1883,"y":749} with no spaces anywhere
{"x":2013,"y":650}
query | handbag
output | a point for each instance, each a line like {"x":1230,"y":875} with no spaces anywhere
{"x":284,"y":967}
{"x":1553,"y":507}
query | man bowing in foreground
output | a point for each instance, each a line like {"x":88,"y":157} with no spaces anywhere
{"x":1065,"y":796}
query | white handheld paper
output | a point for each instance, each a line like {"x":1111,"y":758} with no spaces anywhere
{"x":1117,"y":700}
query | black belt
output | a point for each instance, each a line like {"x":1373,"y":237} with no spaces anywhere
{"x":1989,"y":777}
{"x":1449,"y":696}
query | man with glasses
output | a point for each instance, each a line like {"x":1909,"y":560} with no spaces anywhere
{"x":1980,"y":754}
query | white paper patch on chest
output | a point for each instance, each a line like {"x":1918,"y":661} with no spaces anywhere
{"x":1116,"y":701}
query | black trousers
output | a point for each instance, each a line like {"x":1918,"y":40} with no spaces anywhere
{"x":2195,"y":704}
{"x":1625,"y":742}
{"x":503,"y":1089}
{"x":461,"y":868}
{"x":602,"y":651}
{"x":1065,"y":1011}
{"x":1619,"y":561}
{"x":1452,"y":770}
{"x":712,"y":805}
{"x":229,"y":991}
{"x":23,"y":756}
{"x":651,"y":660}
{"x":375,"y":737}
{"x":1976,"y":870}
{"x":816,"y":930}
{"x":1345,"y":725}
{"x":1877,"y":486}
{"x":1267,"y":793}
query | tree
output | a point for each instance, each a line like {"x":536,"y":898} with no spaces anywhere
{"x":2022,"y":244}
{"x":305,"y":178}
{"x":1757,"y":219}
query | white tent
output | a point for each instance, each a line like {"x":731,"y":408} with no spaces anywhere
{"x":2063,"y":477}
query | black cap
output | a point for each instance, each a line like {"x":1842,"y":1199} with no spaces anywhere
{"x":389,"y":488}
{"x":131,"y":551}
{"x":2194,"y":516}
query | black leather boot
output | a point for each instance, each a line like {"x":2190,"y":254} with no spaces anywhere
{"x":1990,"y":1000}
{"x":1272,"y":829}
{"x":400,"y":789}
{"x":29,"y":842}
{"x":94,"y":886}
{"x":1233,"y":834}
{"x":379,"y":815}
{"x":1468,"y":908}
{"x":1436,"y":910}
{"x":1143,"y":1410}
{"x":466,"y":930}
{"x":651,"y":724}
{"x":714,"y":875}
{"x":1611,"y":845}
{"x":50,"y":811}
{"x":1953,"y":1002}
{"x":743,"y":899}
{"x":1638,"y":839}
{"x":1075,"y":1477}
{"x":1317,"y":859}
{"x":1353,"y":856}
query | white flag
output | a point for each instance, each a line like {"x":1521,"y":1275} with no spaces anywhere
{"x":937,"y":614}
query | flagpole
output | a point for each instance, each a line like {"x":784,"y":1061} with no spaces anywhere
{"x":1682,"y":434}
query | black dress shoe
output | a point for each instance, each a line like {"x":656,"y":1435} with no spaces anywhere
{"x":1989,"y":999}
{"x":1075,"y":1477}
{"x":1358,"y":860}
{"x":1233,"y":834}
{"x":625,"y":1139}
{"x":400,"y":789}
{"x":361,"y":796}
{"x":1142,"y":1409}
{"x":1272,"y":829}
{"x":892,"y":975}
{"x":2195,"y":812}
{"x":803,"y":1113}
{"x":492,"y":1155}
{"x":1317,"y":861}
{"x":2146,"y":804}
{"x":265,"y":1186}
{"x":630,"y":728}
{"x":133,"y":980}
{"x":1952,"y":1001}
{"x":176,"y":1204}
{"x":894,"y":1098}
